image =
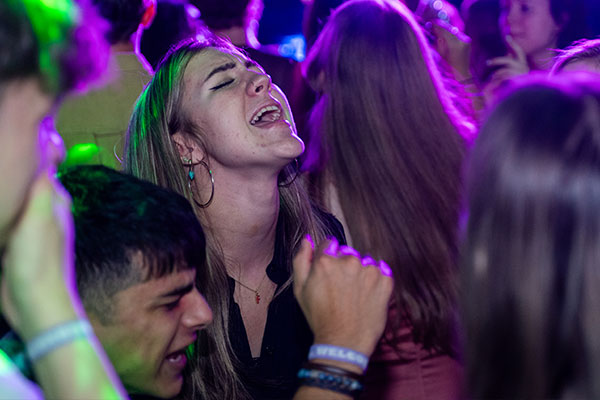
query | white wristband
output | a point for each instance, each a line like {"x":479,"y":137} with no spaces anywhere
{"x":337,"y":353}
{"x":58,"y":336}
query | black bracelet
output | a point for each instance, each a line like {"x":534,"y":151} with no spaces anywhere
{"x":333,"y":370}
{"x":323,"y":377}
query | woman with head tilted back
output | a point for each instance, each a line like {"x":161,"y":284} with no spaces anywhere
{"x":530,"y":270}
{"x":386,"y":156}
{"x":212,"y":127}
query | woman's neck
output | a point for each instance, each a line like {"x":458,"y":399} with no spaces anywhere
{"x":243,"y":219}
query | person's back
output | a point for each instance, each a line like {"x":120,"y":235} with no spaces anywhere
{"x":387,"y":153}
{"x":100,"y":117}
{"x":530,"y":269}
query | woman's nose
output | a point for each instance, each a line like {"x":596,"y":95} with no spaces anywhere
{"x":258,"y":84}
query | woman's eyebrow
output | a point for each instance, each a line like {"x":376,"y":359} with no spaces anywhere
{"x":220,"y":68}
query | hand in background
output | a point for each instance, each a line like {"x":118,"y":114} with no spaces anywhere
{"x":512,"y":65}
{"x":344,"y":301}
{"x":454,"y":47}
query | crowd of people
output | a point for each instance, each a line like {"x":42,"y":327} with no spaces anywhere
{"x":436,"y":240}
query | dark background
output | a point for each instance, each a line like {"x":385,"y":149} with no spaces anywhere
{"x":283,"y":18}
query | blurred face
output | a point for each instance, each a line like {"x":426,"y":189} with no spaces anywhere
{"x":244,"y":120}
{"x":530,"y":23}
{"x":151,"y":326}
{"x":23,"y":105}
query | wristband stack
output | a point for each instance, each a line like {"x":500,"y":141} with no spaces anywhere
{"x":331,"y":377}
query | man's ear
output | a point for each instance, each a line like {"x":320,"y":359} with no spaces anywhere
{"x":187,"y":147}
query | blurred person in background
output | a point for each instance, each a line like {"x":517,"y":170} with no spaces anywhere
{"x":530,"y":273}
{"x":47,"y":49}
{"x":582,"y":55}
{"x":93,"y":124}
{"x":533,"y":30}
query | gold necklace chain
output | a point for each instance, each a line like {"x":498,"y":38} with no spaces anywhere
{"x":256,"y":293}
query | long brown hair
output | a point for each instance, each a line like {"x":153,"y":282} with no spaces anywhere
{"x":389,"y":138}
{"x":150,"y":153}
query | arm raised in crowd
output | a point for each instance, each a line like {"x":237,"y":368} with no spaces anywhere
{"x":39,"y":296}
{"x":345,"y":300}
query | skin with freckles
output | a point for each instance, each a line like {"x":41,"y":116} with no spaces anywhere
{"x":223,"y":93}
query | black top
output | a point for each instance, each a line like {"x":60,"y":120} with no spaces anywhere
{"x":287,"y":336}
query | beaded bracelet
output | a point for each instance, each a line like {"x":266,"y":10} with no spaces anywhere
{"x":58,"y":336}
{"x":337,"y":353}
{"x":333,"y":370}
{"x":331,"y":378}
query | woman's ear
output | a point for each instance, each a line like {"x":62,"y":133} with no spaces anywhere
{"x":187,"y":147}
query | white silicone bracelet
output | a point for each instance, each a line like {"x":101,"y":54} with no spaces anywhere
{"x":58,"y":336}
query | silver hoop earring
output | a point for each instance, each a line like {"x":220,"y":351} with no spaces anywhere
{"x":286,"y":184}
{"x":192,"y":175}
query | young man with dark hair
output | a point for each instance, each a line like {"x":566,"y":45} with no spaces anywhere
{"x":137,"y":250}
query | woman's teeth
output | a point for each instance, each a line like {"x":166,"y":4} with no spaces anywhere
{"x":273,"y":112}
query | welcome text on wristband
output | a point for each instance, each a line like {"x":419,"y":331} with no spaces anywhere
{"x":337,"y":353}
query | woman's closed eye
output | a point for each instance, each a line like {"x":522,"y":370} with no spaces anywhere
{"x":222,"y":85}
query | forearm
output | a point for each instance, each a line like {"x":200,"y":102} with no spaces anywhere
{"x":77,"y":369}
